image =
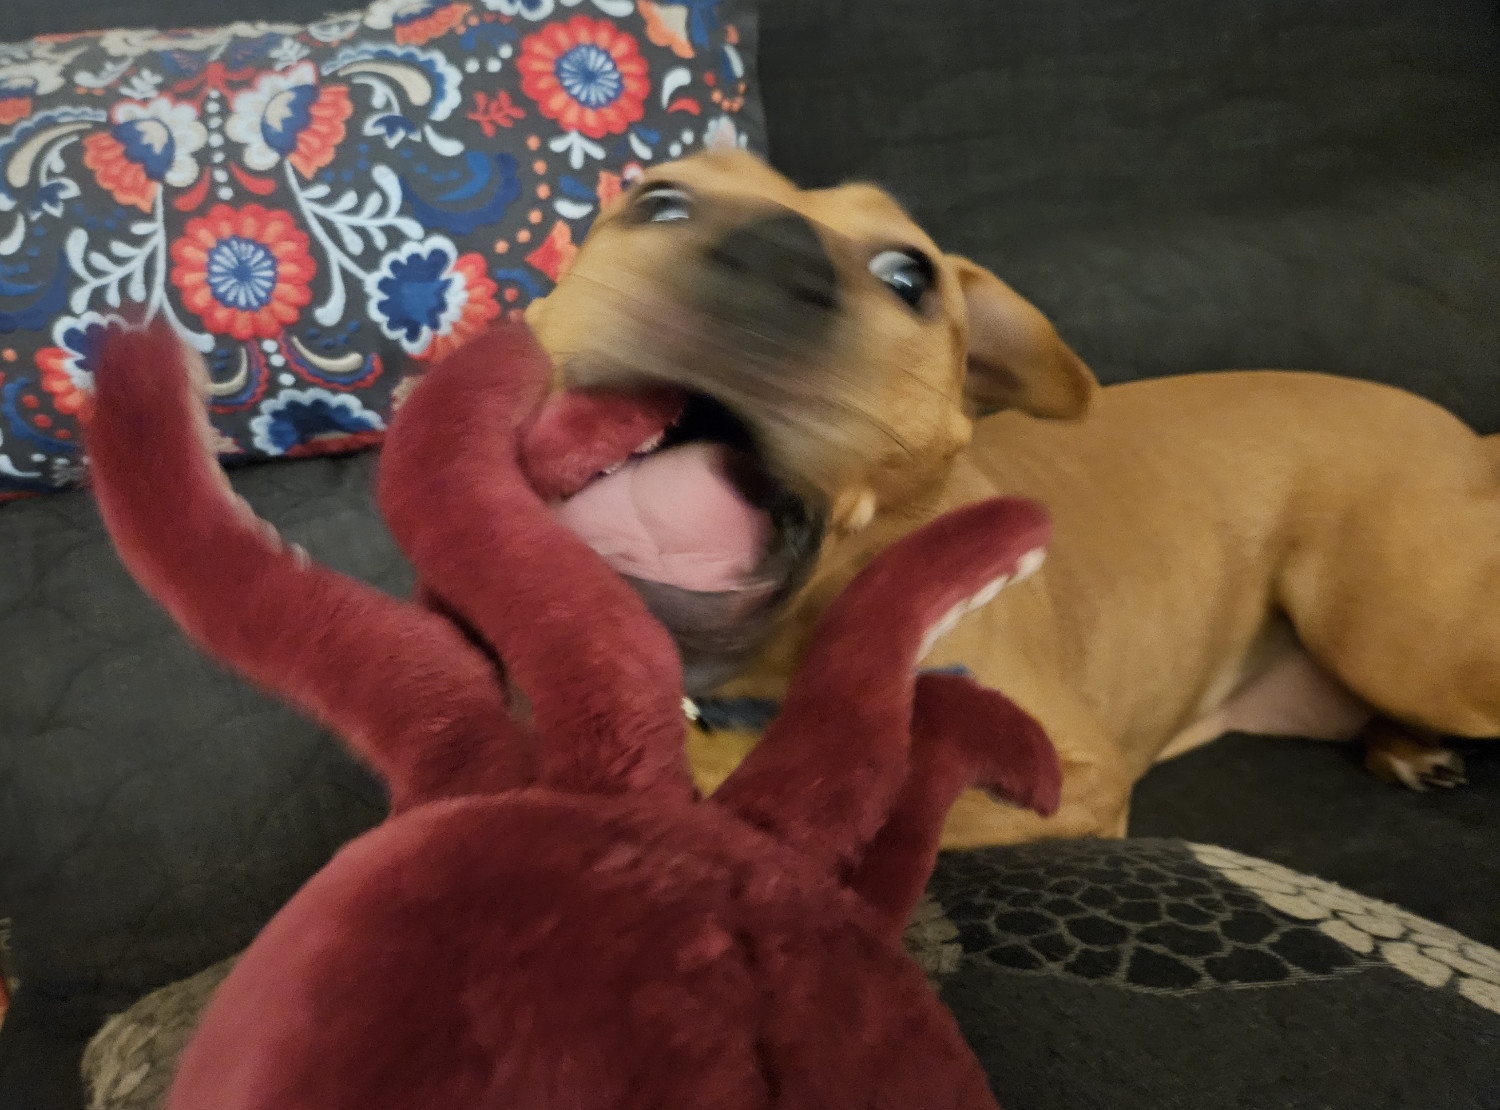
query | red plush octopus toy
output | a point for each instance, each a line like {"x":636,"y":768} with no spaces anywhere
{"x":550,"y":918}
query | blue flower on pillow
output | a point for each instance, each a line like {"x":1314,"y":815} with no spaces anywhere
{"x":411,"y":293}
{"x":430,"y":298}
{"x":309,"y":421}
{"x":303,"y":203}
{"x":52,"y":196}
{"x":589,"y":75}
{"x":392,"y":128}
{"x":68,"y":367}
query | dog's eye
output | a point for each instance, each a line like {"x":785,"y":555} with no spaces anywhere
{"x":661,"y":204}
{"x":908,"y":274}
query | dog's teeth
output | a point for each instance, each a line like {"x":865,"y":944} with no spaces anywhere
{"x":1028,"y":564}
{"x":987,"y":595}
{"x":607,"y":471}
{"x":650,"y":445}
{"x":946,"y":624}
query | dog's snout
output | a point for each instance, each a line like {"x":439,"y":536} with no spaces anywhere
{"x":783,"y":254}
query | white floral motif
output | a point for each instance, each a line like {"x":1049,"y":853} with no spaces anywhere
{"x":527,"y":9}
{"x":383,"y":14}
{"x":1430,"y":953}
{"x":55,"y":187}
{"x":137,"y":270}
{"x":342,"y":413}
{"x":426,"y":80}
{"x":425,"y":76}
{"x":540,"y":9}
{"x":134,"y":42}
{"x":165,"y":124}
{"x":353,"y":222}
{"x":721,"y":134}
{"x":336,"y":28}
{"x":142,"y":85}
{"x":288,"y":52}
{"x":576,"y":147}
{"x":35,"y":77}
{"x":104,"y":77}
{"x":266,"y":104}
{"x":70,"y":335}
{"x":617,"y":9}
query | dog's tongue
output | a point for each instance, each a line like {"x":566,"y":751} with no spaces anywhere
{"x":672,"y":517}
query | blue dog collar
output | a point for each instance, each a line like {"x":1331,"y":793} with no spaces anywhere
{"x":754,"y":714}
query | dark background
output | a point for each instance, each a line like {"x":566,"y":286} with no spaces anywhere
{"x":1181,"y":185}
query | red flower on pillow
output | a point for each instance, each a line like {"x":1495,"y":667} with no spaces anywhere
{"x":67,"y":395}
{"x":437,"y":22}
{"x":416,"y":21}
{"x":586,"y":74}
{"x":244,"y":271}
{"x":556,"y":252}
{"x":496,"y":113}
{"x":14,"y":106}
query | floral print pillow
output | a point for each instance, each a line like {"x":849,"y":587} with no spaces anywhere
{"x":319,"y":209}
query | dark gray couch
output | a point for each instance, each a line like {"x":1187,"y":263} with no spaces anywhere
{"x":1182,"y":186}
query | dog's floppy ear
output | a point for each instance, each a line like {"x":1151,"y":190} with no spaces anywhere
{"x":1016,"y":358}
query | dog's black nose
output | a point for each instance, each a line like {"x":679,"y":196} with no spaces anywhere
{"x":784,"y":256}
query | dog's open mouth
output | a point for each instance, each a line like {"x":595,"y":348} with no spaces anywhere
{"x":673,"y":492}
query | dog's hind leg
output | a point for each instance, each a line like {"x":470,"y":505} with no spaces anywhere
{"x":1392,"y":577}
{"x":1411,"y":756}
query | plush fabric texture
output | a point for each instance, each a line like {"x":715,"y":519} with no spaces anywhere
{"x":605,"y":939}
{"x":316,"y":206}
{"x":1097,"y":954}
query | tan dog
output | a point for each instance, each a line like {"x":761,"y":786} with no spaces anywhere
{"x":1265,"y":551}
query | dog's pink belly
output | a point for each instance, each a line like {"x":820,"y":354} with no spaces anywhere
{"x":1294,"y":696}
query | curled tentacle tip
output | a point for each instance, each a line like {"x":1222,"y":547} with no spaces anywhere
{"x":1044,"y":796}
{"x":577,"y":435}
